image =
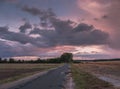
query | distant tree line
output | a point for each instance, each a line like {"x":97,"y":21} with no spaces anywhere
{"x":64,"y":58}
{"x":96,"y":60}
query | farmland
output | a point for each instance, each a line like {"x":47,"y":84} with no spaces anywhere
{"x":86,"y":75}
{"x":103,"y":68}
{"x":11,"y":72}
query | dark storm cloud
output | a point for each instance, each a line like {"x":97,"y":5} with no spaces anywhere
{"x":15,"y":49}
{"x":45,"y":16}
{"x":90,"y":35}
{"x":5,"y":50}
{"x":24,"y":27}
{"x":83,"y":27}
{"x":61,"y":26}
{"x":48,"y":36}
{"x":21,"y":38}
{"x":4,"y":29}
{"x":64,"y":33}
{"x":33,"y":10}
{"x":44,"y":33}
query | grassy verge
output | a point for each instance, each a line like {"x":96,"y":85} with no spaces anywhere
{"x":84,"y":80}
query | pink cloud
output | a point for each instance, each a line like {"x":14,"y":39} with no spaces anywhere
{"x":93,"y":7}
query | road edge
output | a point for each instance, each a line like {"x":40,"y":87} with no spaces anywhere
{"x":69,"y":84}
{"x":23,"y":81}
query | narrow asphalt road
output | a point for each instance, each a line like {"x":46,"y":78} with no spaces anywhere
{"x":54,"y":79}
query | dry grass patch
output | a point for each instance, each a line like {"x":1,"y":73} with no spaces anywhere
{"x":104,"y":68}
{"x":84,"y":80}
{"x":11,"y":72}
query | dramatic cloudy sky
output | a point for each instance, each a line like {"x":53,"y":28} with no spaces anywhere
{"x":87,"y":28}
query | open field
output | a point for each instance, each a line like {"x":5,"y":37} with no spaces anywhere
{"x":86,"y":74}
{"x":11,"y":72}
{"x":106,"y":68}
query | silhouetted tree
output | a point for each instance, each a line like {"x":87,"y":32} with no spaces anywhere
{"x":0,"y":60}
{"x":38,"y":61}
{"x":66,"y":57}
{"x":4,"y":61}
{"x":23,"y":61}
{"x":11,"y":60}
{"x":54,"y":60}
{"x":19,"y":61}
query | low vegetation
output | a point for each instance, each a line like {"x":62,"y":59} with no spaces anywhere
{"x":11,"y":72}
{"x":84,"y":80}
{"x":12,"y":69}
{"x":109,"y":68}
{"x":64,"y":58}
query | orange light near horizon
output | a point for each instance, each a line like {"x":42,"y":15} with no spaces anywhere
{"x":26,"y":57}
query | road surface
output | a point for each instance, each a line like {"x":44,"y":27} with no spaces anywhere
{"x":54,"y":79}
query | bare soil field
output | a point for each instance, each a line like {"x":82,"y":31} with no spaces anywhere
{"x":11,"y":72}
{"x":108,"y":70}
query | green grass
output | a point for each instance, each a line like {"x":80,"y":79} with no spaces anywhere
{"x":84,"y":80}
